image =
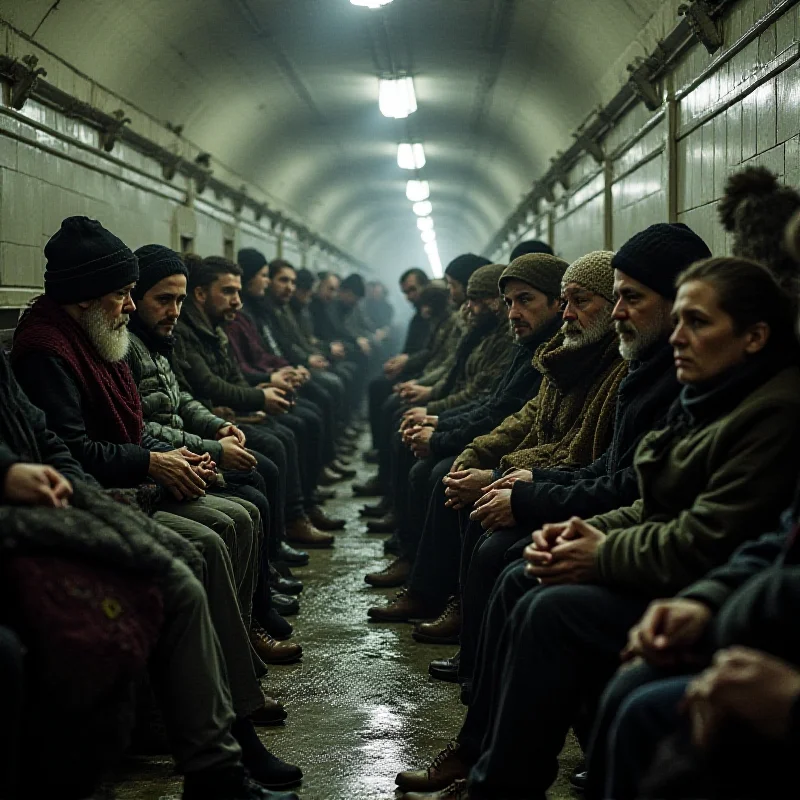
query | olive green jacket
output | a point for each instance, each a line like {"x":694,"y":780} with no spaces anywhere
{"x":569,"y":423}
{"x":705,"y":492}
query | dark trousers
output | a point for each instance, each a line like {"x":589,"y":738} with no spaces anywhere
{"x":544,"y":654}
{"x":12,"y":697}
{"x":318,"y":400}
{"x":392,"y":412}
{"x":435,"y":573}
{"x":334,"y":387}
{"x":380,"y":390}
{"x":423,"y":478}
{"x":484,"y":556}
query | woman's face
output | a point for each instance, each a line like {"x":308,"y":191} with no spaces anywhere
{"x":704,"y":342}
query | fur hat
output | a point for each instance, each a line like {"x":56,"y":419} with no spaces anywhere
{"x":756,"y":209}
{"x":592,"y":271}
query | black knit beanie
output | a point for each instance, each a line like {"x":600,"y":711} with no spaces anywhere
{"x":305,"y":279}
{"x":461,"y":267}
{"x":530,"y":246}
{"x":85,"y":261}
{"x":251,"y":261}
{"x":156,"y":262}
{"x":658,"y":254}
{"x":353,"y":283}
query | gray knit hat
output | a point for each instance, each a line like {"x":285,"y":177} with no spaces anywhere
{"x":483,"y":282}
{"x":593,"y":271}
{"x":540,"y":270}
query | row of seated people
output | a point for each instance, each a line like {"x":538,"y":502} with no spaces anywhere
{"x":588,"y":489}
{"x":154,"y":490}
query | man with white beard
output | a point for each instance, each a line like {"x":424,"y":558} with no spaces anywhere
{"x":68,"y":356}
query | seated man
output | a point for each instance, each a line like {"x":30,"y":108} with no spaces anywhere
{"x":207,"y":370}
{"x":726,"y":463}
{"x":200,"y":680}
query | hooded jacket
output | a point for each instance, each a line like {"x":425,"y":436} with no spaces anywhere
{"x":569,"y":422}
{"x":721,"y":471}
{"x":644,"y":398}
{"x":458,"y":426}
{"x":206,"y":368}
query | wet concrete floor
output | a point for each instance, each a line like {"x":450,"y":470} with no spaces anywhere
{"x":361,"y":705}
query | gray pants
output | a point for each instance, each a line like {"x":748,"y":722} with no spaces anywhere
{"x":219,"y":581}
{"x":190,"y":678}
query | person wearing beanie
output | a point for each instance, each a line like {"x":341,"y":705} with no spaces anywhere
{"x":458,"y":272}
{"x":756,"y":208}
{"x":176,"y":418}
{"x":368,"y":334}
{"x":68,"y":355}
{"x":530,"y":246}
{"x":531,"y":290}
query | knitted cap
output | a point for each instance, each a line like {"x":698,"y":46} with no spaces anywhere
{"x":461,"y":267}
{"x":658,"y":254}
{"x":156,"y":262}
{"x":540,"y":270}
{"x":756,"y":209}
{"x":531,"y":246}
{"x":251,"y":261}
{"x":85,"y":261}
{"x":592,"y":271}
{"x":483,"y":282}
{"x":353,"y":283}
{"x":305,"y":279}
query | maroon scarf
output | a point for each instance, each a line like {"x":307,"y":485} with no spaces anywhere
{"x":112,"y":410}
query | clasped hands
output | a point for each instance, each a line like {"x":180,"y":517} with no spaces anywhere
{"x":563,"y":553}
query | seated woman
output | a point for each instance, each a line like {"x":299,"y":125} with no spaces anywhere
{"x":723,"y":469}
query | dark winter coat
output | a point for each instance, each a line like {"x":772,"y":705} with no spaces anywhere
{"x":418,"y":334}
{"x":207,"y":368}
{"x":328,"y":325}
{"x":445,"y":335}
{"x":457,"y":427}
{"x":251,"y":351}
{"x":644,"y":398}
{"x":721,"y":471}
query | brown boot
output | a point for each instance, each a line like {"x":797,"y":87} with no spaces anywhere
{"x":403,"y":608}
{"x":446,"y":768}
{"x":271,"y":651}
{"x":271,"y":713}
{"x":301,"y":532}
{"x":396,"y":574}
{"x":321,"y":521}
{"x":445,"y":629}
{"x":457,"y":790}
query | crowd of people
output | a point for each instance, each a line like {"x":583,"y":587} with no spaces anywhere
{"x":588,"y":472}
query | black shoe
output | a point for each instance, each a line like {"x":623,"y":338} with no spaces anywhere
{"x":445,"y":669}
{"x":385,"y":524}
{"x":264,"y":768}
{"x":284,"y":585}
{"x":579,"y":777}
{"x":377,"y":509}
{"x":228,"y":784}
{"x":392,"y":546}
{"x":286,"y":606}
{"x":295,"y":558}
{"x":371,"y":457}
{"x":322,"y":494}
{"x":276,"y":626}
{"x":369,"y":488}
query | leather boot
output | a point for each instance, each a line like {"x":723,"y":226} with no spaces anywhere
{"x":271,"y":651}
{"x":271,"y":713}
{"x":321,"y":521}
{"x":404,"y":608}
{"x":369,"y":488}
{"x":301,"y":531}
{"x":329,"y":476}
{"x":343,"y":469}
{"x":385,"y":524}
{"x":445,"y":669}
{"x":391,"y":546}
{"x":283,"y":585}
{"x":445,"y":629}
{"x":447,"y":767}
{"x":288,"y":555}
{"x":284,"y":604}
{"x":377,"y":509}
{"x":396,"y":574}
{"x":457,"y":790}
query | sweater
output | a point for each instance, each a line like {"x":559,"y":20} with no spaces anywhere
{"x":256,"y":362}
{"x":569,"y":422}
{"x":708,"y":482}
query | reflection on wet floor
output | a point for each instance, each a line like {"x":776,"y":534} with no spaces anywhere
{"x":361,"y":705}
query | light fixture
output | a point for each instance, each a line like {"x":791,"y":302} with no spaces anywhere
{"x":428,"y":236}
{"x":425,"y":224}
{"x":396,"y":97}
{"x":417,"y":191}
{"x":423,"y":209}
{"x":410,"y":156}
{"x":432,"y":251}
{"x":370,"y":3}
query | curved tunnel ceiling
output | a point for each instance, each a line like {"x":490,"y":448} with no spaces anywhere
{"x":285,"y":93}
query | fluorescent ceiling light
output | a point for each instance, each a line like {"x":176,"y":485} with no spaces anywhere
{"x":410,"y":156}
{"x":417,"y":191}
{"x":396,"y":97}
{"x":423,"y":209}
{"x":425,"y":224}
{"x":428,"y":236}
{"x":370,"y":3}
